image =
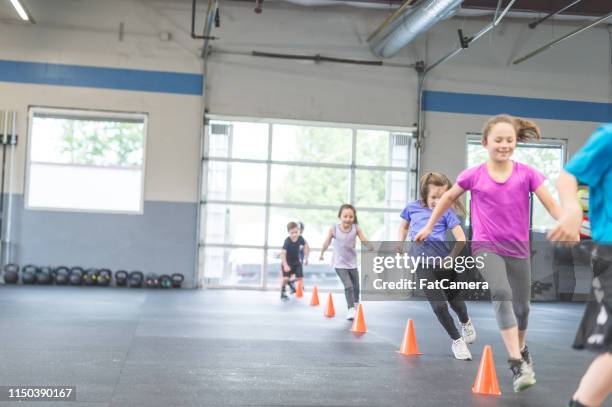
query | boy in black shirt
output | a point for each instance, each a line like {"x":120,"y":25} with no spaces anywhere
{"x":291,"y":257}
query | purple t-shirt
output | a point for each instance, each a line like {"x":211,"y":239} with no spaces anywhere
{"x":500,"y":210}
{"x":418,"y":216}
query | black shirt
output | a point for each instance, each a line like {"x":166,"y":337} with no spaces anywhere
{"x":293,"y":250}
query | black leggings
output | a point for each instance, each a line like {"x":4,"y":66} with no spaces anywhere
{"x":439,"y":300}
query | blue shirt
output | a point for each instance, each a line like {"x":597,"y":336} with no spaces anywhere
{"x":418,"y":216}
{"x":592,"y":165}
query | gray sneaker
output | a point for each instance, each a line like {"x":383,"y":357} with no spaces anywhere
{"x":460,"y":350}
{"x":527,"y":356}
{"x":522,"y":375}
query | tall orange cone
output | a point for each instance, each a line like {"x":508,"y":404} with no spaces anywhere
{"x":409,"y":344}
{"x":486,"y":378}
{"x":299,"y":289}
{"x":359,"y":325}
{"x":314,"y":301}
{"x":329,"y":308}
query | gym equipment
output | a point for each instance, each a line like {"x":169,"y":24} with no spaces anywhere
{"x":177,"y":280}
{"x":8,"y":140}
{"x":11,"y":274}
{"x":152,"y":281}
{"x":165,"y":281}
{"x":61,"y":275}
{"x":90,"y":277}
{"x":76,"y":275}
{"x":136,"y":279}
{"x":28,"y":274}
{"x":44,"y":275}
{"x":104,"y":277}
{"x":121,"y":278}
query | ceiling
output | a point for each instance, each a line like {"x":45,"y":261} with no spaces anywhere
{"x":584,"y":8}
{"x":591,"y":8}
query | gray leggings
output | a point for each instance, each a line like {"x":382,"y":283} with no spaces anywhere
{"x":509,"y":281}
{"x":350,"y":280}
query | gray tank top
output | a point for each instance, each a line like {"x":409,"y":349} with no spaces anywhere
{"x":345,"y":253}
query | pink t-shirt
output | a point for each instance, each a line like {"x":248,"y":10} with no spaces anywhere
{"x":500,"y":210}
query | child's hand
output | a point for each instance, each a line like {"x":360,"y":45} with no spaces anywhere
{"x":568,"y":228}
{"x":399,"y":248}
{"x":423,"y":234}
{"x":286,"y":268}
{"x":305,"y":262}
{"x":321,"y":257}
{"x":370,"y":248}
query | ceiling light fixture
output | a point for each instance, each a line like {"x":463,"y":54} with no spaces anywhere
{"x":20,"y":10}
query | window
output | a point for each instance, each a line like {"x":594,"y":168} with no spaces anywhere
{"x":85,"y":161}
{"x":547,"y":156}
{"x":260,"y":175}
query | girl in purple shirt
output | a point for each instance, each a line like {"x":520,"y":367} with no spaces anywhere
{"x":416,"y":215}
{"x":499,"y":209}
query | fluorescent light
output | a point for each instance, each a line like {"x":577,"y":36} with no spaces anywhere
{"x":20,"y":10}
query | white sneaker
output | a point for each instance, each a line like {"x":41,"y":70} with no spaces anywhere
{"x":468,"y":332}
{"x":350,"y":315}
{"x":460,"y":350}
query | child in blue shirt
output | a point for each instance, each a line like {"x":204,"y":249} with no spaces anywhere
{"x":592,"y":165}
{"x":414,"y":217}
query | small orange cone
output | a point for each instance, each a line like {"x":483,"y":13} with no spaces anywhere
{"x":486,"y":378}
{"x":359,"y":325}
{"x":409,"y":344}
{"x":299,"y":289}
{"x":314,"y":301}
{"x":329,"y":308}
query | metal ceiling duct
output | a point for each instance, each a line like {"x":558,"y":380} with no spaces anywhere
{"x":408,"y":23}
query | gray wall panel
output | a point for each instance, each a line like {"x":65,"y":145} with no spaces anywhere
{"x":162,"y":240}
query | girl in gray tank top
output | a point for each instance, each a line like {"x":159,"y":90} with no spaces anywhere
{"x":344,"y":236}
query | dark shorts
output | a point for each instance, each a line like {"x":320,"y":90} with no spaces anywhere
{"x":295,"y":269}
{"x":595,"y":331}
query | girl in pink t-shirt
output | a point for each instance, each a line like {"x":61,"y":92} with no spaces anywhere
{"x":499,"y":210}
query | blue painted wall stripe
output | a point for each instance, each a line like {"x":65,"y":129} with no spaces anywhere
{"x":470,"y":103}
{"x":98,"y":77}
{"x":191,"y":84}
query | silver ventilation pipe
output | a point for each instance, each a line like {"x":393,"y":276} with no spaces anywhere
{"x":398,"y":31}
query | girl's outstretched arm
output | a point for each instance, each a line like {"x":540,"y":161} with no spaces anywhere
{"x":549,"y":202}
{"x":364,"y":239}
{"x":327,"y":242}
{"x":401,"y":235}
{"x":459,"y":235}
{"x":568,"y":227}
{"x":403,"y":230}
{"x":445,"y":203}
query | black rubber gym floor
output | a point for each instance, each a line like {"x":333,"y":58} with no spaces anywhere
{"x":127,"y":347}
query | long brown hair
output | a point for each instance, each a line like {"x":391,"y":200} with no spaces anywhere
{"x":439,"y":180}
{"x":525,"y":129}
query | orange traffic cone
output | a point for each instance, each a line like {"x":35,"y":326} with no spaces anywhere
{"x":409,"y":344}
{"x":299,"y":289}
{"x":359,"y":325}
{"x":486,"y":378}
{"x":329,"y":308}
{"x":314,"y":301}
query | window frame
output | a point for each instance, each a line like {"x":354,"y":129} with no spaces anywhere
{"x":84,"y":114}
{"x":269,"y":204}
